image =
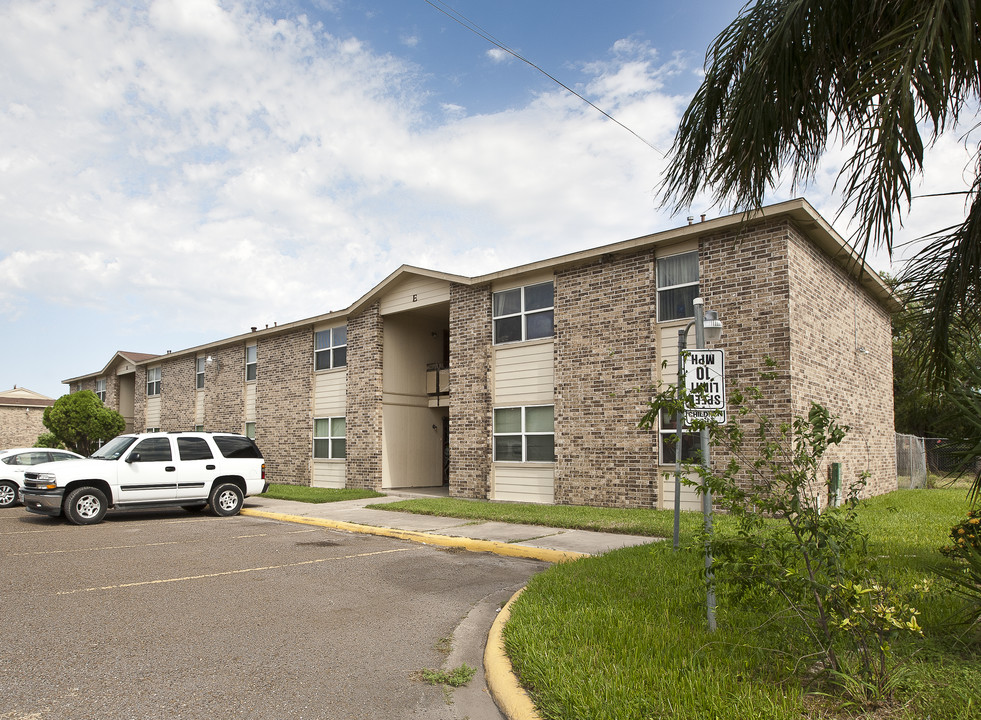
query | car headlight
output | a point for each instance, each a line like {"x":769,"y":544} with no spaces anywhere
{"x":48,"y":481}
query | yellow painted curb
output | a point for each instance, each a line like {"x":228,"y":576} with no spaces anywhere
{"x":491,"y":546}
{"x":510,"y":697}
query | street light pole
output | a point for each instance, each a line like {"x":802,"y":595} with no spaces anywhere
{"x":707,"y":493}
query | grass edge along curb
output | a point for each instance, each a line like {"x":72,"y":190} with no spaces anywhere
{"x":509,"y":696}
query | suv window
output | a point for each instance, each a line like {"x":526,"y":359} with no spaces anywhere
{"x":153,"y":450}
{"x":192,"y":448}
{"x":236,"y":446}
{"x":56,"y":456}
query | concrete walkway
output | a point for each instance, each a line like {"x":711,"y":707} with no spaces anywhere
{"x":511,"y":539}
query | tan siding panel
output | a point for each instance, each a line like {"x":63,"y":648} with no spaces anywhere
{"x":524,"y":483}
{"x":250,"y":402}
{"x":329,"y":393}
{"x":524,"y":374}
{"x":152,"y":413}
{"x":413,"y":293}
{"x":328,"y":473}
{"x":199,"y":408}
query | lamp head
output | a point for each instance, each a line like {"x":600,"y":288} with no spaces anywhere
{"x":712,"y":326}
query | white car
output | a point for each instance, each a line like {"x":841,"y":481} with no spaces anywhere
{"x":15,"y":462}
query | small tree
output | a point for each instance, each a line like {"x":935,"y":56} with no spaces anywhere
{"x":786,"y":546}
{"x":49,"y":440}
{"x":81,"y":421}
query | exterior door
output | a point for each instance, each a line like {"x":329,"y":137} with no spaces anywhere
{"x":148,"y":472}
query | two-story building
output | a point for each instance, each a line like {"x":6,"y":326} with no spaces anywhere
{"x":527,"y":384}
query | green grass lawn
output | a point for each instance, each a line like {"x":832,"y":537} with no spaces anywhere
{"x":655,"y":523}
{"x":303,"y":493}
{"x":623,"y":635}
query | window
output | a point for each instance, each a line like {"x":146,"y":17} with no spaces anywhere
{"x":192,"y":448}
{"x":250,"y":430}
{"x":250,"y":362}
{"x":330,"y":348}
{"x":677,"y":286}
{"x":668,"y":441}
{"x":329,"y":438}
{"x":152,"y":450}
{"x":153,"y":429}
{"x":152,"y":381}
{"x":100,"y":389}
{"x":199,"y":428}
{"x":524,"y":313}
{"x":199,"y":373}
{"x":236,"y":446}
{"x":524,"y":434}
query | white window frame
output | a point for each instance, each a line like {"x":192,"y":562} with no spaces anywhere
{"x":665,"y":288}
{"x":523,"y":312}
{"x":668,"y":433}
{"x":153,"y":385}
{"x":330,"y":349}
{"x":330,"y":439}
{"x":199,"y":365}
{"x":251,"y":368}
{"x":524,"y":433}
{"x":100,"y":389}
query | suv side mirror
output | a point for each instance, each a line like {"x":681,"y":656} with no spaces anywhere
{"x":134,"y":457}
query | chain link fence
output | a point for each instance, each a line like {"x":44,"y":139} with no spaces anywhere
{"x":917,"y":458}
{"x":911,"y":461}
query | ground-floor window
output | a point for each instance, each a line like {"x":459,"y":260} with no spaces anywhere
{"x":250,"y":430}
{"x":329,"y":438}
{"x":668,"y":441}
{"x":524,"y":434}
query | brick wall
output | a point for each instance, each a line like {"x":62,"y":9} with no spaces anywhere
{"x":471,"y":429}
{"x":177,"y":378}
{"x":20,"y":425}
{"x":224,"y":394}
{"x":841,"y":355}
{"x":284,"y":406}
{"x":604,"y":363}
{"x":364,"y":399}
{"x":139,"y":399}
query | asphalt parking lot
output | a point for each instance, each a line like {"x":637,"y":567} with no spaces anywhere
{"x":168,"y":614}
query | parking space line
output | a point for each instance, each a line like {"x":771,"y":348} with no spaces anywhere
{"x":93,"y":549}
{"x":230,"y":572}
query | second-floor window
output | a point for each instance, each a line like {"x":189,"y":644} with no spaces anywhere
{"x":100,"y":389}
{"x":677,"y":286}
{"x":330,"y":348}
{"x":153,"y":381}
{"x":250,"y":362}
{"x":524,"y":313}
{"x":199,"y":373}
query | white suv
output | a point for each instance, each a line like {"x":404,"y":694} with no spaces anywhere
{"x":186,"y":469}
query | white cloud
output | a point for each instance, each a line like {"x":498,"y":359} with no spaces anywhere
{"x":498,"y":55}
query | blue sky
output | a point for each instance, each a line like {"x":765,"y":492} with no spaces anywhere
{"x":175,"y":171}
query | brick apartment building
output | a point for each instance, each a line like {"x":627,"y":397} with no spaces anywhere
{"x":527,"y":384}
{"x":22,"y":417}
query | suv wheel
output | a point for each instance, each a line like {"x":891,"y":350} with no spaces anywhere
{"x":226,"y":499}
{"x":85,"y":506}
{"x":8,"y":494}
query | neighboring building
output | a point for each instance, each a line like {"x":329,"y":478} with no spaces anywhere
{"x":22,"y":417}
{"x":528,"y":384}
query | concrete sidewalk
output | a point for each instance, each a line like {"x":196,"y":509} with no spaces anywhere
{"x":514,"y":540}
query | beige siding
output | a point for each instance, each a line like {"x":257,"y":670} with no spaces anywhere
{"x":199,"y":408}
{"x":329,"y":395}
{"x":329,"y":473}
{"x":413,"y":293}
{"x":152,"y":413}
{"x":690,"y":499}
{"x":523,"y":482}
{"x":250,"y":389}
{"x":524,"y":374}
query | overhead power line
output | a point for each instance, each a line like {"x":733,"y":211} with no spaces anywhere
{"x":473,"y":27}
